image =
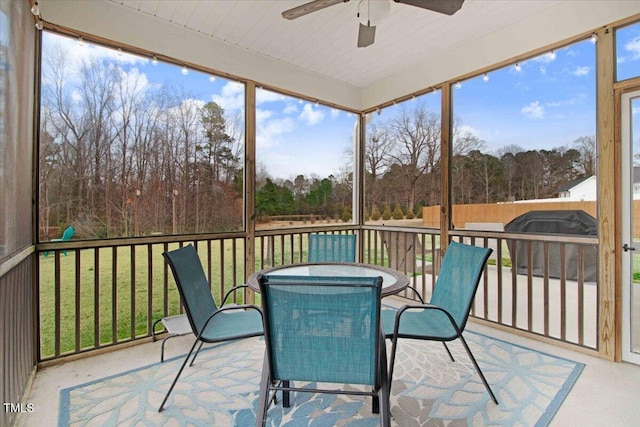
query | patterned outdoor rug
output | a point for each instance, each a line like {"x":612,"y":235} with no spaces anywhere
{"x":221,"y":389}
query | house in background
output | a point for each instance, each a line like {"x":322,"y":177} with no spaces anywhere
{"x":581,"y":189}
{"x":585,"y":189}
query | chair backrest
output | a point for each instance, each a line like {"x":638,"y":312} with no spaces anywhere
{"x":192,"y":284}
{"x":458,"y":280}
{"x":332,"y":248}
{"x":68,"y":233}
{"x":322,"y":329}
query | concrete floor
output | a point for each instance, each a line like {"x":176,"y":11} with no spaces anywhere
{"x":604,"y":395}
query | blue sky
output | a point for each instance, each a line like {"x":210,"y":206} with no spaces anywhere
{"x":547,"y":102}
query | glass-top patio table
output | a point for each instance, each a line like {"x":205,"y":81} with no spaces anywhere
{"x":392,"y":280}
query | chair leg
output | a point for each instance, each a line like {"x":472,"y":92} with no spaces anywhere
{"x":162,"y":350}
{"x":286,"y":395}
{"x":383,"y":392}
{"x":263,"y":402}
{"x":394,"y":346}
{"x":448,"y":352}
{"x":473,"y":359}
{"x":196,"y":355}
{"x":175,"y":380}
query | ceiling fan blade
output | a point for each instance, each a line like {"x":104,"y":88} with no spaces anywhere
{"x":448,"y":7}
{"x":310,"y":7}
{"x":366,"y":35}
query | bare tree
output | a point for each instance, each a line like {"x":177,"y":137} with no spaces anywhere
{"x":416,"y":136}
{"x":507,"y":156}
{"x":586,"y":146}
{"x":377,"y":158}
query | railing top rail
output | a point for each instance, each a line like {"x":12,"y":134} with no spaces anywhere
{"x":559,"y":238}
{"x":129,"y":241}
{"x":299,"y":230}
{"x":402,"y":229}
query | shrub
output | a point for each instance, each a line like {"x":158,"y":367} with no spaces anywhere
{"x":375,"y":215}
{"x":410,"y":214}
{"x":346,"y":214}
{"x":397,"y":212}
{"x":386,"y":215}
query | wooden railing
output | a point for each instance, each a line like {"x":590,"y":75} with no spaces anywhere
{"x":108,"y":292}
{"x":552,"y":292}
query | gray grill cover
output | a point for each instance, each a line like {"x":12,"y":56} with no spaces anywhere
{"x":572,"y":222}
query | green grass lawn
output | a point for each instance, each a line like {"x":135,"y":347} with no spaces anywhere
{"x":116,"y":284}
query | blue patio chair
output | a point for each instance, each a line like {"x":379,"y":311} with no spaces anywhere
{"x":332,"y":248}
{"x":209,"y":323}
{"x":66,"y":235}
{"x":340,"y":343}
{"x":445,"y":317}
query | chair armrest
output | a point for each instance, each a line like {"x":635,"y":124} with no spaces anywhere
{"x":423,"y":307}
{"x":415,"y":291}
{"x":235,"y":288}
{"x":230,"y":308}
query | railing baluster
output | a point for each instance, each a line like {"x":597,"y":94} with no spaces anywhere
{"x":563,"y":295}
{"x":133,"y":292}
{"x":529,"y":286}
{"x":114,"y":295}
{"x":150,"y":281}
{"x":514,"y":285}
{"x":57,"y":299}
{"x":485,"y":244}
{"x":499,"y":278}
{"x":96,"y":298}
{"x":580,"y":277}
{"x":78,"y":281}
{"x":545,"y":290}
{"x":222,"y":286}
{"x":209,"y":258}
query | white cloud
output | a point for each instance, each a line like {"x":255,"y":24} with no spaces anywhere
{"x":270,"y":127}
{"x":231,"y":96}
{"x":580,"y":97}
{"x":581,"y":71}
{"x":334,"y":113}
{"x":533,"y":111}
{"x":263,"y":96}
{"x":135,"y":81}
{"x":75,"y":54}
{"x":262,"y":115}
{"x":468,"y":130}
{"x":290,"y":108}
{"x":633,"y":46}
{"x":546,"y":58}
{"x":310,"y":116}
{"x":268,"y":132}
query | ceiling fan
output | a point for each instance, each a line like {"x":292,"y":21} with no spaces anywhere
{"x":367,"y":32}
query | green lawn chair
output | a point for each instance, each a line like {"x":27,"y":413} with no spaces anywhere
{"x":67,"y":235}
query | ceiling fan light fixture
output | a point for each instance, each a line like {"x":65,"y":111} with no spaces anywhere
{"x":366,"y":35}
{"x":371,"y":12}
